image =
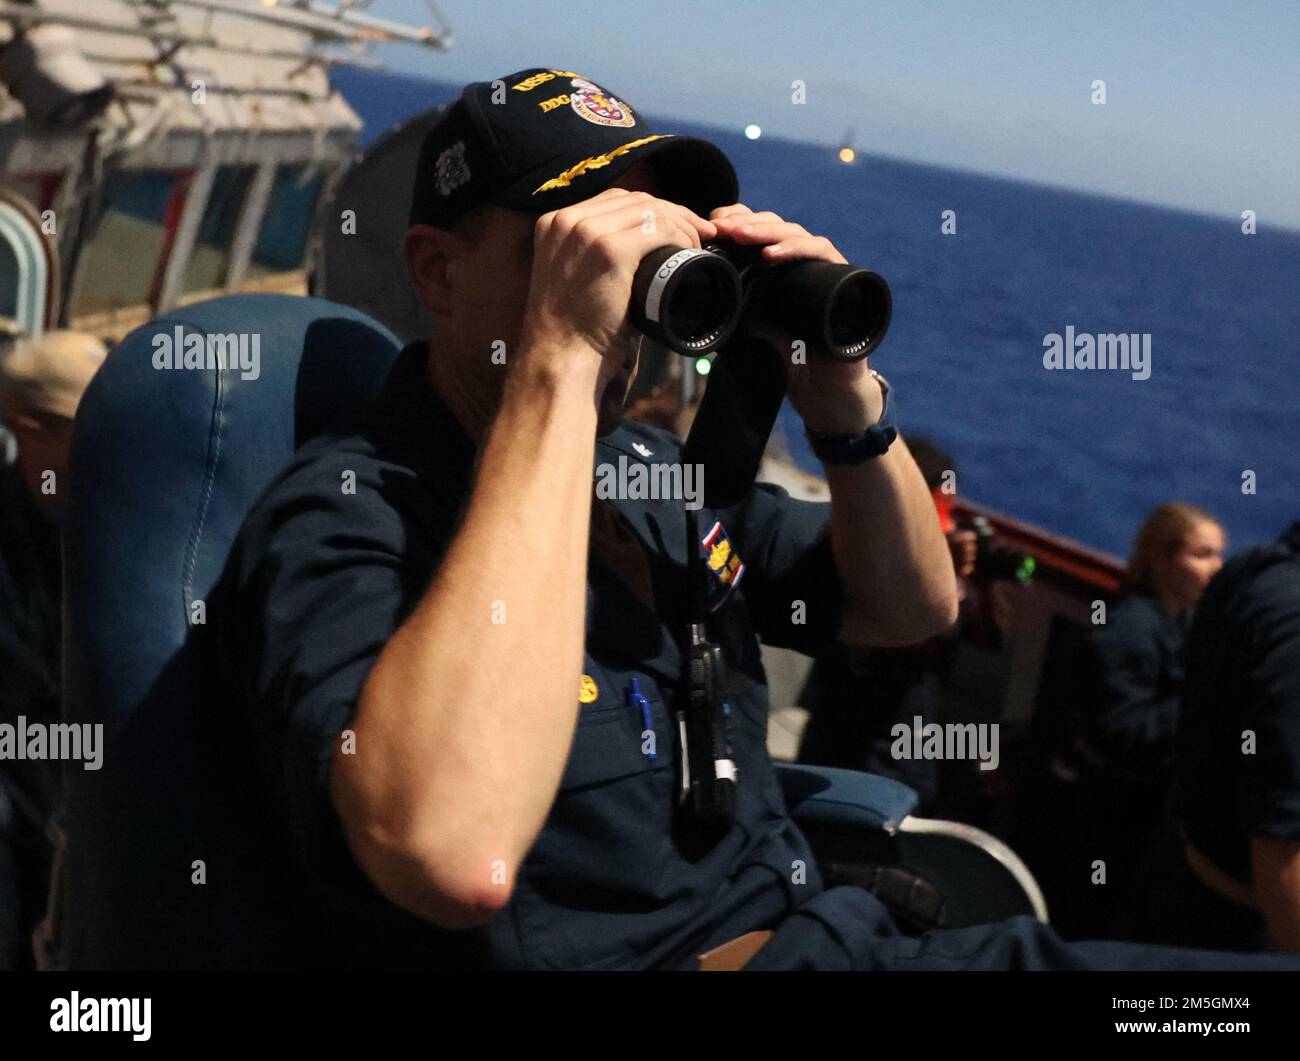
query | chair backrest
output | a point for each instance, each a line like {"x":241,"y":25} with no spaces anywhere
{"x":166,"y":861}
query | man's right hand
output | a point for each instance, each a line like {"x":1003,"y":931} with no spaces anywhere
{"x":584,"y":259}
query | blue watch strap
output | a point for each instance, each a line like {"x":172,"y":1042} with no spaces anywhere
{"x":856,"y":449}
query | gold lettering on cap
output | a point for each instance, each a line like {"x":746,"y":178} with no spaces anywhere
{"x":530,"y":83}
{"x":548,"y":105}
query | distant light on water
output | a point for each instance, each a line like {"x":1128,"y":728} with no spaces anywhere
{"x":753,"y":132}
{"x":1128,"y":474}
{"x":847,"y":155}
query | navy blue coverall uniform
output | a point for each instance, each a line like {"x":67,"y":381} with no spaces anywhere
{"x":320,"y":579}
{"x":1129,"y":692}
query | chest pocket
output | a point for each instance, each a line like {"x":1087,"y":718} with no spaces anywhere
{"x":612,"y":739}
{"x":594,"y":890}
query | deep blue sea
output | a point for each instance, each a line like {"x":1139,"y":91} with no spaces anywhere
{"x":1084,"y":453}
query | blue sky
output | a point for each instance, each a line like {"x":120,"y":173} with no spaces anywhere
{"x":1202,"y":110}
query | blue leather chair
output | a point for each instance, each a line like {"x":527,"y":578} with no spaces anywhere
{"x":166,"y":464}
{"x":168,"y":862}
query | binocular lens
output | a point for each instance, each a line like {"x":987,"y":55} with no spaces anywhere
{"x":857,"y":315}
{"x":689,"y":300}
{"x":698,"y":311}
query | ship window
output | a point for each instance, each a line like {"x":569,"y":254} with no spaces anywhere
{"x":282,"y":240}
{"x":210,"y":257}
{"x":117,"y":264}
{"x":24,"y":267}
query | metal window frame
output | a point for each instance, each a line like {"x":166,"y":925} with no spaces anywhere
{"x":249,"y":226}
{"x":183,"y":237}
{"x":32,"y":302}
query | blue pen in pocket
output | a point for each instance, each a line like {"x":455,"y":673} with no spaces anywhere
{"x":636,"y":698}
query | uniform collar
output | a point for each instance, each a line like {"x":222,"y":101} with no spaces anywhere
{"x":413,"y":421}
{"x":419,"y":421}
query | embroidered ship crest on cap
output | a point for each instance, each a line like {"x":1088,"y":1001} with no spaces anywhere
{"x":591,"y":102}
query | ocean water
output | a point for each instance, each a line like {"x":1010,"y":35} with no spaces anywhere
{"x":1083,"y":453}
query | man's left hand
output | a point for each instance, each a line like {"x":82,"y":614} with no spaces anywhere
{"x":831,"y":396}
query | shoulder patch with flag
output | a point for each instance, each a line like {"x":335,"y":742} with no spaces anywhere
{"x":723,"y":562}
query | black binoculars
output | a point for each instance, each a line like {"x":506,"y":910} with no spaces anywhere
{"x":995,"y":561}
{"x":691,"y":301}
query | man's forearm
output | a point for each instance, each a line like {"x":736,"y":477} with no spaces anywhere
{"x":890,"y":551}
{"x":893,"y":560}
{"x":465,"y":722}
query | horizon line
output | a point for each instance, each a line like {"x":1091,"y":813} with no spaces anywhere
{"x":1034,"y":182}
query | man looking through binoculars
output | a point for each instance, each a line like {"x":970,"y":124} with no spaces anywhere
{"x":471,"y":679}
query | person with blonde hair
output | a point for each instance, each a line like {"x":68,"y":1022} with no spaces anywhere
{"x":1118,"y":767}
{"x":1135,"y":687}
{"x":1178,"y":549}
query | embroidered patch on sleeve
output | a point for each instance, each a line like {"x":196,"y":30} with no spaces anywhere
{"x":724,"y":564}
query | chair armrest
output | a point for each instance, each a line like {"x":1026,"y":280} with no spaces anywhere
{"x":859,"y":823}
{"x":826,"y":795}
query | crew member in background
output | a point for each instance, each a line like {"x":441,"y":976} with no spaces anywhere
{"x":41,"y":383}
{"x":1116,"y":768}
{"x":856,"y":696}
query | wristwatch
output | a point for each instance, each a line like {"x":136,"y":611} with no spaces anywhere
{"x":855,"y":449}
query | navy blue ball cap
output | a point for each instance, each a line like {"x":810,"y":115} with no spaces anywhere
{"x":543,"y":139}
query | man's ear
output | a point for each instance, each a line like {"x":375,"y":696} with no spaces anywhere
{"x":428,"y":253}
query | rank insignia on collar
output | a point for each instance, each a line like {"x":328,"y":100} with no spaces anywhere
{"x":724,"y":564}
